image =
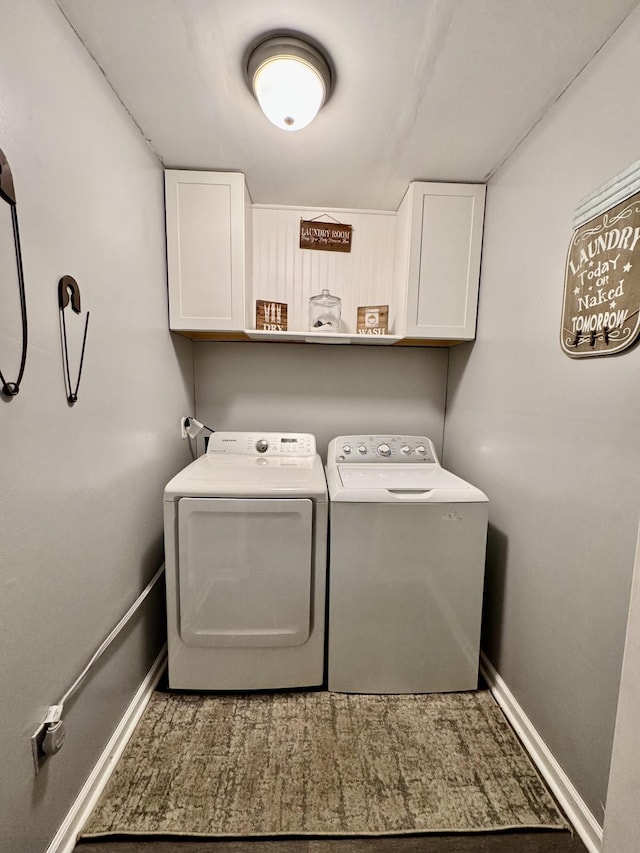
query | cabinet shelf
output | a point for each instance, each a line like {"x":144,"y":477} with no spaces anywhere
{"x":311,"y":338}
{"x":322,"y":337}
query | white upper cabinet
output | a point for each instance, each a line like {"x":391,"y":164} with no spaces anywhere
{"x":223,"y":254}
{"x":438,"y":251}
{"x":208,"y":250}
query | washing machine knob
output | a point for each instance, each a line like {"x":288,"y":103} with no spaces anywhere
{"x":262,"y":445}
{"x":346,"y":448}
{"x":362,"y":449}
{"x":405,"y":449}
{"x":384,"y":450}
{"x":421,"y":449}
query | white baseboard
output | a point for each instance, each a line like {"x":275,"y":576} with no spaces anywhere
{"x":561,"y":786}
{"x":65,"y":838}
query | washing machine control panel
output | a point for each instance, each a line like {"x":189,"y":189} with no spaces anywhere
{"x":384,"y":448}
{"x":263,"y":443}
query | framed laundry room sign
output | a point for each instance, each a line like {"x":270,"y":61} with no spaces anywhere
{"x":325,"y":236}
{"x":601,"y":309}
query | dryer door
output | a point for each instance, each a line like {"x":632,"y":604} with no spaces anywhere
{"x":244,"y":576}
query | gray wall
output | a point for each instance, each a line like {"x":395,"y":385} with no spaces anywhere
{"x":324,"y":389}
{"x":81,"y":498}
{"x":622,"y":820}
{"x":553,"y":441}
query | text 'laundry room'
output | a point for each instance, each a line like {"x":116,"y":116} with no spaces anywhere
{"x":319,"y":426}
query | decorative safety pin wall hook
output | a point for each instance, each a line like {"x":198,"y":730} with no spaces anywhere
{"x":7,"y":193}
{"x":68,"y":291}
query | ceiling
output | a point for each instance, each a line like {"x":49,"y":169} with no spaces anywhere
{"x":424,"y":89}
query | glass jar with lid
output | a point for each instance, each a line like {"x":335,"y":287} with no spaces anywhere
{"x":324,"y":312}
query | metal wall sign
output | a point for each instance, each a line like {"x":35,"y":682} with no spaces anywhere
{"x":601,"y":310}
{"x":325,"y":236}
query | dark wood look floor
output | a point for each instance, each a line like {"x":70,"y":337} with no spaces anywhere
{"x":499,"y":842}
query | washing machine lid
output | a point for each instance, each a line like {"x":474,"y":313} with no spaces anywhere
{"x":367,"y":468}
{"x":249,"y":476}
{"x":412,"y":483}
{"x":398,"y":477}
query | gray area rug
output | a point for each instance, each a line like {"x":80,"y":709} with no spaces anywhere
{"x":322,"y":764}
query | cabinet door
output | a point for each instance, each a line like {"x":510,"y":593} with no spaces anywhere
{"x":445,"y":243}
{"x":206,"y":254}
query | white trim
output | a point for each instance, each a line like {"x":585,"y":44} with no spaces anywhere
{"x":561,"y":786}
{"x":65,"y":838}
{"x":619,"y":188}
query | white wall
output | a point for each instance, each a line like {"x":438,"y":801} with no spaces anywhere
{"x":622,"y":821}
{"x":81,"y":498}
{"x":553,"y":441}
{"x":324,"y":389}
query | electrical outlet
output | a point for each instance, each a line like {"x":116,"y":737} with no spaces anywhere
{"x":37,"y":740}
{"x":183,"y":427}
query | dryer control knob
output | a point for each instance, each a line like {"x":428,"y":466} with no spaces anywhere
{"x":362,"y":449}
{"x":262,"y":445}
{"x":405,"y":449}
{"x":384,"y":450}
{"x":421,"y":449}
{"x":346,"y":448}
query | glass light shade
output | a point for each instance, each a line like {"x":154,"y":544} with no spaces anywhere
{"x":290,"y":92}
{"x":290,"y":78}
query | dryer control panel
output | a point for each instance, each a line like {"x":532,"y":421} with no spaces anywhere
{"x":384,"y":448}
{"x":262,"y":443}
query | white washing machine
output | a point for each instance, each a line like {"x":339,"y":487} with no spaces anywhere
{"x":245,"y":551}
{"x":406,"y":568}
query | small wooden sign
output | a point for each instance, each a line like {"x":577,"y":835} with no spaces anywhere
{"x":325,"y":236}
{"x":271,"y":316}
{"x":601,"y":314}
{"x":373,"y":320}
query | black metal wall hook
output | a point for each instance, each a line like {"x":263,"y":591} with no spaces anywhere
{"x":69,"y":292}
{"x":7,"y":193}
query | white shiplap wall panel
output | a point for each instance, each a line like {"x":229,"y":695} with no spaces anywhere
{"x":285,"y":273}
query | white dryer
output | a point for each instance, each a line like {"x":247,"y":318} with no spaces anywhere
{"x":406,"y":568}
{"x":245,"y":551}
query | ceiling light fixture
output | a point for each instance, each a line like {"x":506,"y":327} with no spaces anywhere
{"x":290,"y":79}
